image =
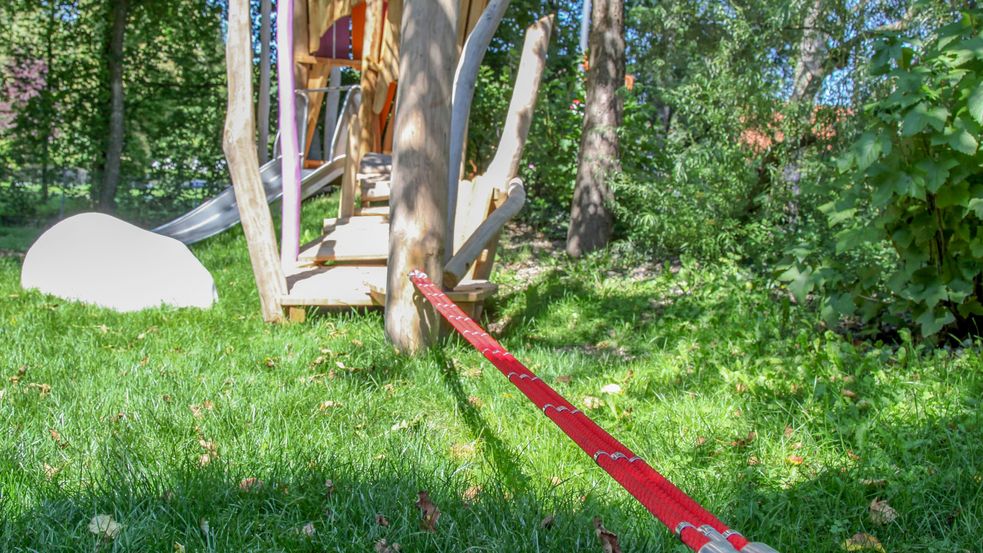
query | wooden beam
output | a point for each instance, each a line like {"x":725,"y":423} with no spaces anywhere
{"x":240,"y":151}
{"x":418,"y":212}
{"x":484,"y":235}
{"x":465,"y":79}
{"x":505,"y":164}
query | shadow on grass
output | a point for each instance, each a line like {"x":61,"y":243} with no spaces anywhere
{"x":502,"y":458}
{"x":320,"y":505}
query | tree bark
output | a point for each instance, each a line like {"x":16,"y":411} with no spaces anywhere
{"x":810,"y":68}
{"x":114,"y":144}
{"x":421,"y":150}
{"x":49,"y":90}
{"x":264,"y":82}
{"x":590,"y":216}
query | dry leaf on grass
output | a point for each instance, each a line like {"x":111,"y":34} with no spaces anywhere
{"x":381,"y":520}
{"x":471,"y":494}
{"x":612,"y":389}
{"x":863,"y":542}
{"x":744,"y":442}
{"x":881,"y":513}
{"x":50,"y":471}
{"x":609,"y":540}
{"x":104,"y":526}
{"x":178,"y":547}
{"x":592,"y":402}
{"x":250,"y":484}
{"x":795,"y":459}
{"x":429,"y":512}
{"x":308,"y":529}
{"x":382,"y":547}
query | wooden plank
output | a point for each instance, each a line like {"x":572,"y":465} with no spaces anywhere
{"x":360,"y":286}
{"x":334,"y":286}
{"x":485,"y":234}
{"x":240,"y":151}
{"x":473,"y":291}
{"x":373,"y":211}
{"x":376,"y":164}
{"x":376,"y":191}
{"x":355,"y":239}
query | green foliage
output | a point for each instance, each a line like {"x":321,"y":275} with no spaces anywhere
{"x":692,"y":183}
{"x":908,"y":207}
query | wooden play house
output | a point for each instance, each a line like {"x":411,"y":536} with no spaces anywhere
{"x":403,"y":205}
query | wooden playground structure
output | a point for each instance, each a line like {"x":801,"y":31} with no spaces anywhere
{"x":403,"y":205}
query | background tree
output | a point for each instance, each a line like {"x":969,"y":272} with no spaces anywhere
{"x":112,"y":168}
{"x":590,"y":217}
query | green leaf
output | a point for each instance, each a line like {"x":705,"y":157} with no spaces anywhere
{"x":976,"y":206}
{"x":932,"y":320}
{"x":837,"y":217}
{"x":949,"y":196}
{"x":936,"y":172}
{"x":868,"y":149}
{"x":921,"y":116}
{"x":975,"y":103}
{"x":961,"y":141}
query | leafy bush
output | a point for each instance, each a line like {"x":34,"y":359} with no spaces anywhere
{"x":908,"y":218}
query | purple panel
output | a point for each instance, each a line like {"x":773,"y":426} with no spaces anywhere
{"x":337,"y":40}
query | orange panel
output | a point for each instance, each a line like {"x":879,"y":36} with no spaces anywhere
{"x":358,"y":29}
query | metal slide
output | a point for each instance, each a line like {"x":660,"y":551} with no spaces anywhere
{"x":221,"y":212}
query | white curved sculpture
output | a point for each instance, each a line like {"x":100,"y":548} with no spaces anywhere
{"x":98,"y":259}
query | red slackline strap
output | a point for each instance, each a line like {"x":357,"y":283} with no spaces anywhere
{"x":693,"y":524}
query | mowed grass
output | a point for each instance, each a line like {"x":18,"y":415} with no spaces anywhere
{"x":212,"y":431}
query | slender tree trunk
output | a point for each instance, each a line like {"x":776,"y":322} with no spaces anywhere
{"x":264,"y":82}
{"x":810,"y":68}
{"x":590,"y":216}
{"x":48,"y":103}
{"x":421,"y":154}
{"x":114,"y":145}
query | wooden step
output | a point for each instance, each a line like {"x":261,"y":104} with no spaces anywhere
{"x":360,"y":285}
{"x":334,"y":286}
{"x":375,"y":163}
{"x":351,"y":239}
{"x":374,"y":211}
{"x":375,"y":192}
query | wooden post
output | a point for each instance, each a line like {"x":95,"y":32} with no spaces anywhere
{"x":290,"y":174}
{"x":240,"y":151}
{"x":465,"y":79}
{"x":264,"y":80}
{"x":418,"y":204}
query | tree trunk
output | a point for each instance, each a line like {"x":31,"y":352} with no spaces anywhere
{"x":421,"y":152}
{"x":810,"y":68}
{"x":114,"y":144}
{"x":49,"y":105}
{"x":264,"y":82}
{"x":590,"y":215}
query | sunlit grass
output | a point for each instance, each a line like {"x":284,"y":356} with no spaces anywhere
{"x":785,"y":432}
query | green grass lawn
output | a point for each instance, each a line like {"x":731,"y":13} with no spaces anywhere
{"x":212,"y":431}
